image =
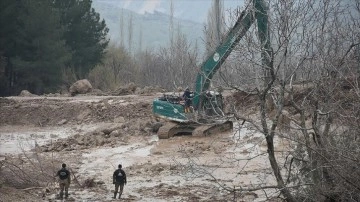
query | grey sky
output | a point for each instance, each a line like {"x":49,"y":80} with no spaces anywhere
{"x":195,"y":10}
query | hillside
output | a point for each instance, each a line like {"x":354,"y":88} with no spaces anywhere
{"x":152,"y":29}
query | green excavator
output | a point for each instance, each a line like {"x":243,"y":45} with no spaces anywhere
{"x":207,"y":116}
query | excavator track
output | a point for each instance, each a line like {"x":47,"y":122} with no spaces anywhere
{"x":205,"y":130}
{"x":170,"y":129}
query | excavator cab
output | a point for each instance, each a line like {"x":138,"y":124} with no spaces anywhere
{"x":172,"y":107}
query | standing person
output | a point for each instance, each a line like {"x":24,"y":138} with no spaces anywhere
{"x":187,"y":97}
{"x":119,"y":179}
{"x":64,"y":180}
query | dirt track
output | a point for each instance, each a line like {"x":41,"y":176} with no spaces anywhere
{"x":92,"y":134}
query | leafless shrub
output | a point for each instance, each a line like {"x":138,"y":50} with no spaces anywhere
{"x":28,"y":169}
{"x":90,"y":182}
{"x":307,"y":95}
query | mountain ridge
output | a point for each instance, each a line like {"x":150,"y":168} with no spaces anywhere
{"x":150,"y":30}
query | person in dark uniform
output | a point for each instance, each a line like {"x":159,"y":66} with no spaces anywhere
{"x":64,"y":181}
{"x":187,"y":97}
{"x":119,"y":179}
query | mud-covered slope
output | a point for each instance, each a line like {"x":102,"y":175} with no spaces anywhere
{"x":43,"y":111}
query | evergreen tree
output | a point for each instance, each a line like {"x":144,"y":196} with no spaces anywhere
{"x":32,"y":46}
{"x":41,"y":52}
{"x":38,"y":38}
{"x":85,"y":34}
{"x":8,"y":29}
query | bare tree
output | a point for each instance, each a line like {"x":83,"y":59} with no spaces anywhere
{"x":130,"y":30}
{"x":305,"y":91}
{"x":178,"y":63}
{"x":140,"y":38}
{"x":117,"y":69}
{"x":122,"y":28}
{"x":171,"y":24}
{"x":307,"y":32}
{"x":214,"y":27}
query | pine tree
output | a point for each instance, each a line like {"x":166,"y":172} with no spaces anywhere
{"x":32,"y":50}
{"x":40,"y":51}
{"x":8,"y":34}
{"x":84,"y":33}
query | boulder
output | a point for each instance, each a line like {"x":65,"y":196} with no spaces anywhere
{"x":80,"y":87}
{"x":26,"y":93}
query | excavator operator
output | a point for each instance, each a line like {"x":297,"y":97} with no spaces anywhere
{"x":187,"y":97}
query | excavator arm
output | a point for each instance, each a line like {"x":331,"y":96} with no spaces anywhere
{"x":218,"y":57}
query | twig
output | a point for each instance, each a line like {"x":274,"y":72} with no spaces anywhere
{"x":31,"y":188}
{"x":75,"y":178}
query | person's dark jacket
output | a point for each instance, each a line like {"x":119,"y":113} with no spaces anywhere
{"x":119,"y":176}
{"x":63,"y":174}
{"x":187,"y":95}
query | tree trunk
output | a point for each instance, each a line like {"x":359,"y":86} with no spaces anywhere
{"x":270,"y":145}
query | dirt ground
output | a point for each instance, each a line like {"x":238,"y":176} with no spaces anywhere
{"x":93,"y":134}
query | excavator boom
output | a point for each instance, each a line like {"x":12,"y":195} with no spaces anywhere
{"x":218,"y":57}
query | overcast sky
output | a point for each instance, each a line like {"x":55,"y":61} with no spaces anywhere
{"x":195,"y":10}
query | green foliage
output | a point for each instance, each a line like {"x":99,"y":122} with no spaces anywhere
{"x":32,"y":46}
{"x":39,"y":39}
{"x":84,"y":33}
{"x":8,"y":27}
{"x":38,"y":63}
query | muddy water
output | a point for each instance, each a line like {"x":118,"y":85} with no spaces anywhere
{"x":234,"y":159}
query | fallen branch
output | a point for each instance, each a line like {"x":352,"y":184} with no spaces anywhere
{"x":31,"y":188}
